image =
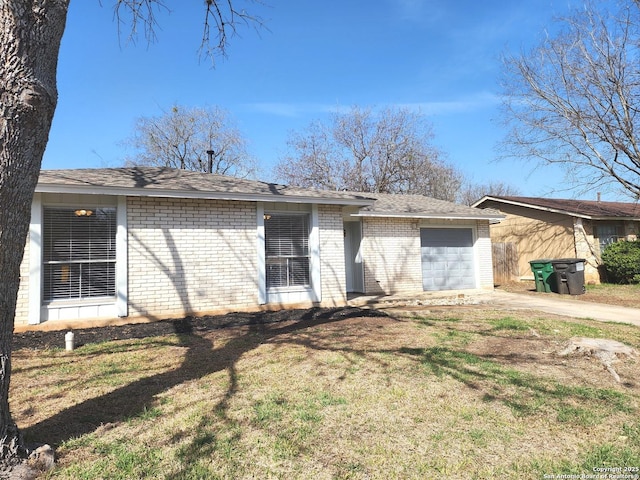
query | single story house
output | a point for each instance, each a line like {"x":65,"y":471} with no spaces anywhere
{"x":548,"y":228}
{"x":159,"y":242}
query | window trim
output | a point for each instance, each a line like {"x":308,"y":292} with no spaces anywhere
{"x":311,"y":293}
{"x":38,"y":311}
{"x":77,"y":263}
{"x":272,"y":259}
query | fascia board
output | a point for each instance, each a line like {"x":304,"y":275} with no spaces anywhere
{"x":198,"y":194}
{"x":615,"y":219}
{"x":559,"y":211}
{"x":534,"y":207}
{"x":430,"y":216}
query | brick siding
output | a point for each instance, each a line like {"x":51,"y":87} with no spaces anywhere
{"x":22,"y":307}
{"x":190,"y":255}
{"x":392,"y":256}
{"x":483,"y":249}
{"x":391,"y":253}
{"x":196,"y":256}
{"x":332,"y":264}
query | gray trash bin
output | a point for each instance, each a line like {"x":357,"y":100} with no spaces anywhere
{"x":568,"y":276}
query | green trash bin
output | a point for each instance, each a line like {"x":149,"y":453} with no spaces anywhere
{"x":542,"y":272}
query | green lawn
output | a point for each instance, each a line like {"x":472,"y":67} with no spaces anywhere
{"x":450,"y":393}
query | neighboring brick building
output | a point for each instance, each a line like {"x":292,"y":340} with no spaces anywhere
{"x":548,"y":228}
{"x":158,"y":243}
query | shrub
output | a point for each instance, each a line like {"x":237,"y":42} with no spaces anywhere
{"x":621,"y":260}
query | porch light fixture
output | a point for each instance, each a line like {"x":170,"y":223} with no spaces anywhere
{"x":267,"y":216}
{"x":83,"y":213}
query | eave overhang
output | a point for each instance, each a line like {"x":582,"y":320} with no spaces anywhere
{"x":556,"y":210}
{"x":199,"y":194}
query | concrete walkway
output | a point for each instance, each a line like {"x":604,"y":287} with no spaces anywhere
{"x":544,"y":302}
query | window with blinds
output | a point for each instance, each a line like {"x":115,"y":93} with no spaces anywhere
{"x":79,"y":253}
{"x":287,"y":250}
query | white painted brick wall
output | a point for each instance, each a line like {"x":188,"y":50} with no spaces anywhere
{"x":391,"y":255}
{"x":191,"y":255}
{"x":332,"y":266}
{"x":22,"y":307}
{"x":483,"y":248}
{"x":201,"y":255}
{"x":392,"y":259}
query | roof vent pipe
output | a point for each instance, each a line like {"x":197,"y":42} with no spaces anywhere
{"x":210,"y":162}
{"x":598,"y":196}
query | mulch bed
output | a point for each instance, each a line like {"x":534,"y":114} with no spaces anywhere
{"x":39,"y":340}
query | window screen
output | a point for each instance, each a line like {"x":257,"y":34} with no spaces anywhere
{"x":287,"y":250}
{"x":79,"y":253}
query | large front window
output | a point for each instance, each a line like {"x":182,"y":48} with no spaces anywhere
{"x":287,"y":250}
{"x":79,"y":253}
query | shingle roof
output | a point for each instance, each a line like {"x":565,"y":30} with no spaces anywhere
{"x":419,"y":206}
{"x":580,"y":208}
{"x":169,"y":182}
{"x":159,"y":181}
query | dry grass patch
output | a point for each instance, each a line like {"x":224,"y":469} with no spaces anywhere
{"x":454,"y":392}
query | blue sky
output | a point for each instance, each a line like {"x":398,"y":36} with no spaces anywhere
{"x":439,"y":56}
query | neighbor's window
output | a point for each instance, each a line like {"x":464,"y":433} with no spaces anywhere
{"x":608,"y":233}
{"x":287,"y":250}
{"x":79,"y":253}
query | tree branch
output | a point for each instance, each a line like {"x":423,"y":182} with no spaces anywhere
{"x":221,"y":21}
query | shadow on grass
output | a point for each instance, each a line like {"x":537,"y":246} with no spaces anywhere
{"x":524,"y":393}
{"x":201,"y":359}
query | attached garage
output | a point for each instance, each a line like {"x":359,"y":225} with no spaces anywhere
{"x":412,"y":243}
{"x":447,"y":257}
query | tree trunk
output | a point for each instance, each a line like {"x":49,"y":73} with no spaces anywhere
{"x":30,"y":34}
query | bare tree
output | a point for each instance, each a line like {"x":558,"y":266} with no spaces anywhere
{"x":573,"y":101}
{"x":315,"y":161}
{"x":30,"y":34}
{"x":182,"y":138}
{"x":470,"y":193}
{"x":361,"y":150}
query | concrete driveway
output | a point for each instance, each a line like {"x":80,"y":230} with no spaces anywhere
{"x":543,"y":302}
{"x":562,"y":305}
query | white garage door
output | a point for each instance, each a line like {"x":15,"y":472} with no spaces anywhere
{"x":447,"y":258}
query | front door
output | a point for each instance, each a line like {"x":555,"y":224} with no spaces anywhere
{"x":352,"y":257}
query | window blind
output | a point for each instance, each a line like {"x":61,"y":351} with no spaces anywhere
{"x":79,"y":253}
{"x":287,"y":250}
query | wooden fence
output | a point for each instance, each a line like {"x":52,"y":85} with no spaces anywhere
{"x":505,"y":262}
